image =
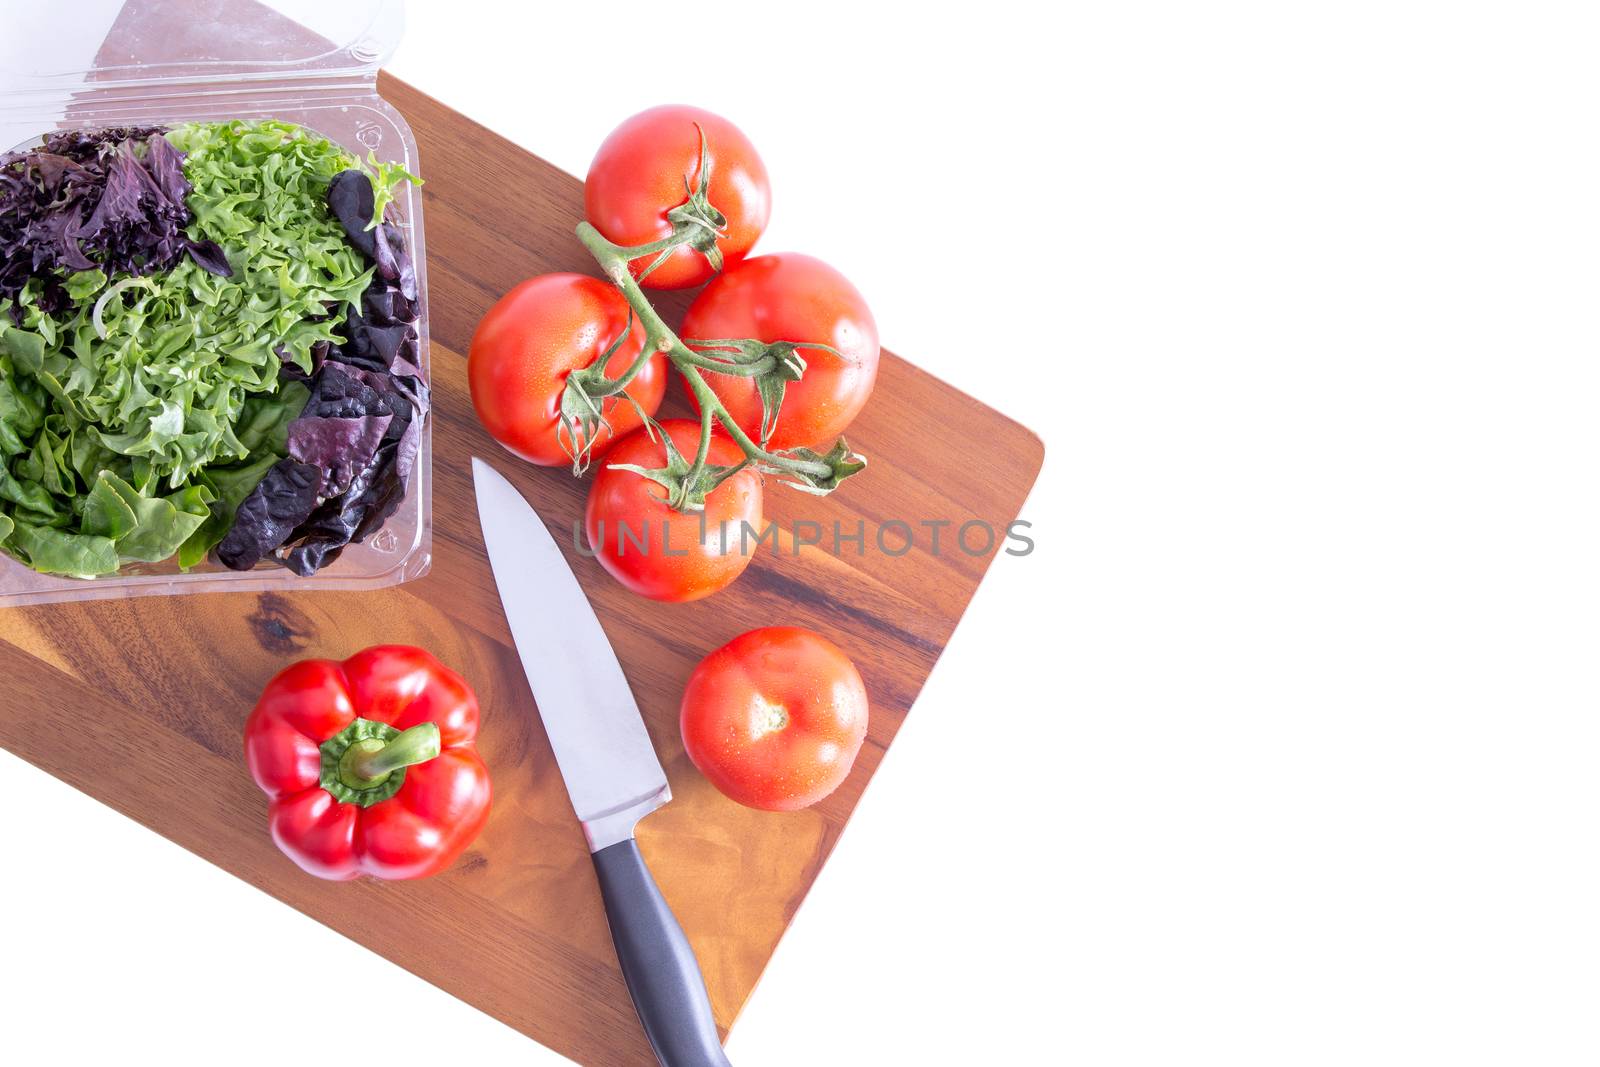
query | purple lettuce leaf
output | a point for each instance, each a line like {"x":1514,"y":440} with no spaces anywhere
{"x":109,"y":198}
{"x":353,"y":516}
{"x":341,"y":447}
{"x":351,"y":200}
{"x":210,"y":256}
{"x":284,"y":498}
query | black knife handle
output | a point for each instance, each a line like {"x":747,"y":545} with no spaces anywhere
{"x":662,"y":973}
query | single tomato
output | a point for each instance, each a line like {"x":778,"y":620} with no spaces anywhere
{"x":662,"y":553}
{"x":646,"y":167}
{"x":791,"y":297}
{"x":775,"y":717}
{"x":527,"y":344}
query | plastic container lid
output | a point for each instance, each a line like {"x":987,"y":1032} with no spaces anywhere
{"x":175,"y":41}
{"x":55,"y":54}
{"x":89,"y":63}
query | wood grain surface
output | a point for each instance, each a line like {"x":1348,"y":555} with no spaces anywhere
{"x":141,"y":702}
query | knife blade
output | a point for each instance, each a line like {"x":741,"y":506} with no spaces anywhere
{"x":606,"y":759}
{"x":610,"y":768}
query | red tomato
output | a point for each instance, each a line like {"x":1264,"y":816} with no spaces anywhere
{"x":775,"y":717}
{"x":791,"y":297}
{"x":638,"y":176}
{"x":527,"y":344}
{"x":665,"y":554}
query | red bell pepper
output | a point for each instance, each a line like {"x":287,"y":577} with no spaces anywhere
{"x":369,"y":763}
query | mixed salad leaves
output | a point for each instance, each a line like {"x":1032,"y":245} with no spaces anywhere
{"x":208,"y":342}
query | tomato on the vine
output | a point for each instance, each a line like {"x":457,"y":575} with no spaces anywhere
{"x":775,"y":718}
{"x":657,"y":551}
{"x":531,"y":340}
{"x":791,"y":297}
{"x":647,"y":166}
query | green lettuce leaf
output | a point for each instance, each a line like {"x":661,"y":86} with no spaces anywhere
{"x":53,"y":551}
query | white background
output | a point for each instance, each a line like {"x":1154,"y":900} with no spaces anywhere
{"x":1282,"y":747}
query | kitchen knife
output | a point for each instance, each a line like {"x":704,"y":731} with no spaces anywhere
{"x":610,"y":769}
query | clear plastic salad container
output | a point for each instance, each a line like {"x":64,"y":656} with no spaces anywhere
{"x":96,"y":63}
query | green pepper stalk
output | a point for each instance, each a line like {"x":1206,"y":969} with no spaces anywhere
{"x":365,"y":762}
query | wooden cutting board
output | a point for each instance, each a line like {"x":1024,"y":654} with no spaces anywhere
{"x":140,"y":703}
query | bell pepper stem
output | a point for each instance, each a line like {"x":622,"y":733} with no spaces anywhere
{"x":367,"y":763}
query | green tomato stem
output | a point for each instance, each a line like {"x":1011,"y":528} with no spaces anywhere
{"x":737,"y":370}
{"x":704,"y":450}
{"x":618,"y":384}
{"x":708,"y":401}
{"x":672,"y":240}
{"x":613,"y":260}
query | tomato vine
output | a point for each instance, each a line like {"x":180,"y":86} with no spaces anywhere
{"x":772,"y":365}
